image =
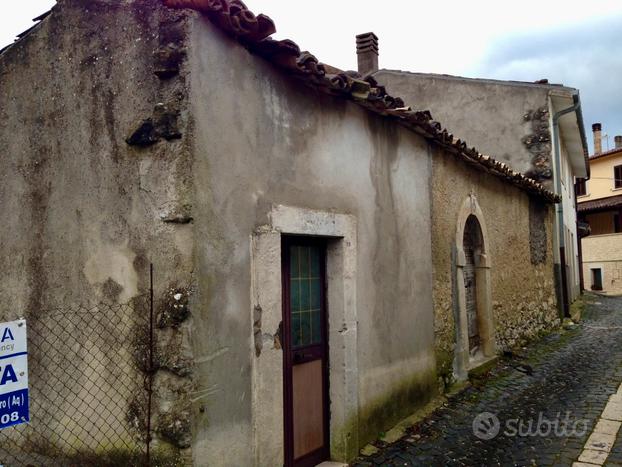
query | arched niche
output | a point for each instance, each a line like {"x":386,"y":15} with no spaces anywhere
{"x":475,"y":340}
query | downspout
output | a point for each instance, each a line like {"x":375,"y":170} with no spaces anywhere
{"x":579,"y":247}
{"x":559,"y":207}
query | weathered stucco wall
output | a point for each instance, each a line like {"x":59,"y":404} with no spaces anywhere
{"x":603,"y":252}
{"x":263,"y":140}
{"x":510,"y":123}
{"x":84,"y":212}
{"x":519,"y":252}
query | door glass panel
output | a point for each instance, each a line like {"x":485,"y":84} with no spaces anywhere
{"x":305,"y":295}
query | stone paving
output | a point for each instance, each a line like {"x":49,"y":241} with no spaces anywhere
{"x":615,"y":456}
{"x":546,"y":401}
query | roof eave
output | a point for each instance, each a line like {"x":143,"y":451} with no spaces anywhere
{"x":254,"y":33}
{"x":572,"y":130}
{"x":611,"y":152}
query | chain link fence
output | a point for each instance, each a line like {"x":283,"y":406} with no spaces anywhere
{"x":90,"y":385}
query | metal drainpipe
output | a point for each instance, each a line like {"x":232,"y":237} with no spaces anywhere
{"x":579,"y":247}
{"x":560,"y":206}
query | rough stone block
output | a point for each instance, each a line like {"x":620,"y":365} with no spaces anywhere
{"x":593,"y":457}
{"x":607,"y":427}
{"x":600,"y":442}
{"x":613,"y":411}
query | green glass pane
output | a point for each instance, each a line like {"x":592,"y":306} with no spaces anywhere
{"x":305,"y":326}
{"x":294,"y":253}
{"x":316,"y":293}
{"x":305,"y":298}
{"x":294,"y":294}
{"x":304,"y":261}
{"x":314,"y":262}
{"x":316,"y":333}
{"x":296,"y":332}
{"x":305,"y":295}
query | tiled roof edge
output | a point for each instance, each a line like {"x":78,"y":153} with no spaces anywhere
{"x":234,"y":18}
{"x":609,"y":152}
{"x":600,"y":204}
{"x":38,"y":20}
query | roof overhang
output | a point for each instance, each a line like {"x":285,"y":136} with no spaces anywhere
{"x":600,"y":204}
{"x":572,"y":129}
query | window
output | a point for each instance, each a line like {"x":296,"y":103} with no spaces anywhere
{"x":580,"y":187}
{"x":617,"y":176}
{"x":616,"y":223}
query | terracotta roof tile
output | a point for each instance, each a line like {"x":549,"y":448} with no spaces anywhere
{"x":600,"y":204}
{"x":606,"y":153}
{"x":233,"y":17}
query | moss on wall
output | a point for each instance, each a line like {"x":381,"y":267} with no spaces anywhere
{"x":381,"y":414}
{"x":388,"y":409}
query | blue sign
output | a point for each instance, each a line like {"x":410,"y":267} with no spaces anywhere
{"x":13,"y":374}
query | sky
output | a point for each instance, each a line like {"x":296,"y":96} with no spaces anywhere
{"x":526,"y":40}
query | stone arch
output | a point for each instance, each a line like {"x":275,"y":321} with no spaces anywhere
{"x":475,"y":340}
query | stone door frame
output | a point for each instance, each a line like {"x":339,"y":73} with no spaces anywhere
{"x":462,"y":359}
{"x":266,"y":309}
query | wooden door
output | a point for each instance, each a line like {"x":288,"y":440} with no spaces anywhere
{"x":471,"y":298}
{"x":305,"y":352}
{"x":471,"y":244}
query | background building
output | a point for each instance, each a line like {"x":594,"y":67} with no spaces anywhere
{"x":600,"y":206}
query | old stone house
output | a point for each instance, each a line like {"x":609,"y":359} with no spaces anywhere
{"x":536,"y":128}
{"x":338,"y":252}
{"x":599,"y":206}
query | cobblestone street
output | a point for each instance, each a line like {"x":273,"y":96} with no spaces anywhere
{"x":566,"y":377}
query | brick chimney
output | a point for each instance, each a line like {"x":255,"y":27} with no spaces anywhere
{"x":618,"y":141}
{"x":367,"y":53}
{"x":598,"y":143}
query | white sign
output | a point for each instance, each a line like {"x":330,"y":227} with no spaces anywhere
{"x":13,"y":374}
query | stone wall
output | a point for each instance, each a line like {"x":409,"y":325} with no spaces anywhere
{"x":603,"y":252}
{"x":523,"y":298}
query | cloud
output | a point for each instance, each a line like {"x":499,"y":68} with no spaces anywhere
{"x":587,"y":56}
